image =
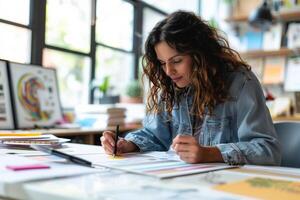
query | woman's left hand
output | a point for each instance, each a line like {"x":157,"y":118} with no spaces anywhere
{"x":189,"y":150}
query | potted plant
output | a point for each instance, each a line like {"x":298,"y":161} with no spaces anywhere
{"x":133,"y":93}
{"x":104,"y":89}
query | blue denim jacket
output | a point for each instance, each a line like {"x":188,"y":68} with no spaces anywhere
{"x":240,"y":128}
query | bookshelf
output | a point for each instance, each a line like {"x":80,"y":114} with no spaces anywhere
{"x":281,"y":16}
{"x":262,"y":53}
{"x":266,"y":60}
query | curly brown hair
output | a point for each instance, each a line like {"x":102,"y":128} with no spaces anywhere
{"x":212,"y":60}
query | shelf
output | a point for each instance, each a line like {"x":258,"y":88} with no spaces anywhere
{"x":286,"y":118}
{"x":262,"y":53}
{"x":283,"y":16}
{"x":289,"y":15}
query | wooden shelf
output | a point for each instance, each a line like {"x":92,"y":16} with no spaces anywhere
{"x":237,"y":19}
{"x":262,"y":53}
{"x":286,"y":118}
{"x":289,"y":15}
{"x":283,"y":16}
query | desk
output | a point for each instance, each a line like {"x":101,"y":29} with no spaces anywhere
{"x":89,"y":135}
{"x":114,"y":184}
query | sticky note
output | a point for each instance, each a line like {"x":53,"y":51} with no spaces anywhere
{"x":27,"y":167}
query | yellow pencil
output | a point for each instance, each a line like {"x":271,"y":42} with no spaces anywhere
{"x":20,"y":134}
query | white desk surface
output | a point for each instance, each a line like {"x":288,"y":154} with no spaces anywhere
{"x":113,"y":184}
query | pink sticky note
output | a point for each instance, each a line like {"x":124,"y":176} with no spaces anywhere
{"x":27,"y":167}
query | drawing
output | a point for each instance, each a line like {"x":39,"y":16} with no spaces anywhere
{"x":35,"y":95}
{"x":153,"y":165}
{"x":6,"y":114}
{"x":264,"y":188}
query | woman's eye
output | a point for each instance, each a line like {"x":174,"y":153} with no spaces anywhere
{"x":163,"y":64}
{"x":176,"y":61}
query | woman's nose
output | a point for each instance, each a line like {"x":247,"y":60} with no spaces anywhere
{"x":169,"y":69}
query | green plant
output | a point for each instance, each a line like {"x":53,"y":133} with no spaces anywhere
{"x":230,"y":2}
{"x":213,"y":23}
{"x":134,"y":89}
{"x":104,"y":85}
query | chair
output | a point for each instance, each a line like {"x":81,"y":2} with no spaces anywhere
{"x":289,"y":136}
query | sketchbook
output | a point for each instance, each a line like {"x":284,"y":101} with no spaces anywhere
{"x":44,"y":140}
{"x":160,"y":164}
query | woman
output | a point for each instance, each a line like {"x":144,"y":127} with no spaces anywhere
{"x":204,"y":100}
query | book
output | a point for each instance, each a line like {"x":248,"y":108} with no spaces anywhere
{"x":292,"y":81}
{"x":257,"y":66}
{"x":98,"y":109}
{"x":272,"y":37}
{"x":252,"y":40}
{"x":274,"y":70}
{"x":293,"y":36}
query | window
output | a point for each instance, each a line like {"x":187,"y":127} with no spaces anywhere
{"x":15,"y":11}
{"x":67,"y":38}
{"x":169,"y":6}
{"x":85,"y":41}
{"x":114,"y":37}
{"x":15,"y":43}
{"x":15,"y":37}
{"x":68,"y":24}
{"x":114,"y":26}
{"x":117,"y":65}
{"x":150,"y":18}
{"x":73,"y":75}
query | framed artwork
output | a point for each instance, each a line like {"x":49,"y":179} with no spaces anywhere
{"x":35,"y":95}
{"x":6,"y":113}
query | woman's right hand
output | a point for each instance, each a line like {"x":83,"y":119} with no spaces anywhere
{"x":123,"y":146}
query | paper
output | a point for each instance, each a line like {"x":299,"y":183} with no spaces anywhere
{"x":129,"y":186}
{"x":70,"y":148}
{"x":45,"y":139}
{"x":11,"y":182}
{"x":158,"y":164}
{"x":264,"y":188}
{"x":274,"y":170}
{"x":56,"y":169}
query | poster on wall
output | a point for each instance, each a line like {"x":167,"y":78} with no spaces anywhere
{"x":6,"y":113}
{"x":35,"y":96}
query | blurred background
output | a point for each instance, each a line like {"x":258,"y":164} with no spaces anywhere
{"x":96,"y":45}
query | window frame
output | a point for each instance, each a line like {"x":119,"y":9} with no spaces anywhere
{"x":38,"y":28}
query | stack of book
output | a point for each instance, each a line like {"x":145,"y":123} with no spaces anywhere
{"x":100,"y":116}
{"x":113,"y":116}
{"x":21,"y":138}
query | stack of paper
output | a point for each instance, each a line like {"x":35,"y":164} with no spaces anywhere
{"x":157,"y":164}
{"x":29,"y":138}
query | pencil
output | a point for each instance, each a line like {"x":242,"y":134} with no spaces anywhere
{"x":19,"y":134}
{"x":116,"y":141}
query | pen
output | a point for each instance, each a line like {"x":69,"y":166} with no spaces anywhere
{"x":116,"y":141}
{"x":71,"y":158}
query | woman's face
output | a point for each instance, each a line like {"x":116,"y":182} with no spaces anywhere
{"x":177,"y":66}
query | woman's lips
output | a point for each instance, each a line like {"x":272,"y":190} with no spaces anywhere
{"x":176,"y":79}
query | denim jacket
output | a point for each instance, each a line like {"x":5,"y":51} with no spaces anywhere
{"x":241,"y":128}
